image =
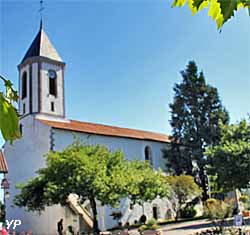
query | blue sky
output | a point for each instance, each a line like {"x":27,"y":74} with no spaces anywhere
{"x":124,"y":57}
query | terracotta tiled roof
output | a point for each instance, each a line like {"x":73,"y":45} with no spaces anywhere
{"x":99,"y":129}
{"x":3,"y":164}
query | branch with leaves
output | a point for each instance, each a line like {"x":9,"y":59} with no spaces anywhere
{"x":8,"y":113}
{"x":93,"y":173}
{"x":230,"y":158}
{"x":220,"y":10}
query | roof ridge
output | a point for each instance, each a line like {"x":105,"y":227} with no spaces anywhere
{"x":106,"y":130}
{"x":119,"y":127}
{"x":40,"y":40}
{"x":3,"y":163}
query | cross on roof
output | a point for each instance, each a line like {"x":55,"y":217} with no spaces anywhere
{"x":41,"y":15}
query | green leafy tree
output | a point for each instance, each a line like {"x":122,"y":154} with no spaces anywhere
{"x":93,"y":173}
{"x":220,"y":10}
{"x":184,"y":189}
{"x":195,"y":116}
{"x":230,"y":158}
{"x":8,"y":114}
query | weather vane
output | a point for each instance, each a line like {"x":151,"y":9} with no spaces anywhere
{"x":41,"y":15}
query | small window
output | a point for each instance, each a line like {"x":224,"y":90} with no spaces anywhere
{"x":24,"y":85}
{"x":52,"y":82}
{"x":52,"y":106}
{"x":148,"y":155}
{"x":21,"y":128}
{"x":24,"y":110}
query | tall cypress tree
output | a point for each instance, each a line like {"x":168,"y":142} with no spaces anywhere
{"x":195,"y":116}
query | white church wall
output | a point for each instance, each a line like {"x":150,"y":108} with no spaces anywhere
{"x":24,"y":158}
{"x":132,"y":149}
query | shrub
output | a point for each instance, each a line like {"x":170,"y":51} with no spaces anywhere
{"x":211,"y":201}
{"x":217,"y":211}
{"x":150,"y":225}
{"x":142,"y":228}
{"x":188,"y":212}
{"x":151,"y":222}
{"x":244,"y":199}
{"x":184,"y":189}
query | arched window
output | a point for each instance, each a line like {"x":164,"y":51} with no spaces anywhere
{"x":148,"y":155}
{"x":52,"y":82}
{"x":143,"y":219}
{"x":24,"y":85}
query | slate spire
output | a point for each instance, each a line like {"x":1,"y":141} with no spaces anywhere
{"x":42,"y":46}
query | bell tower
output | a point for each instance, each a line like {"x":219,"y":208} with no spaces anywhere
{"x":41,"y":79}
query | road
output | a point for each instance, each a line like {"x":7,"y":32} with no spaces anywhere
{"x":188,"y":228}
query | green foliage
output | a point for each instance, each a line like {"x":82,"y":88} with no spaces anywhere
{"x":218,"y":211}
{"x":91,"y":172}
{"x":195,"y":116}
{"x":8,"y":114}
{"x":151,"y":222}
{"x":188,"y":212}
{"x":150,"y":225}
{"x":184,"y":189}
{"x":211,"y":201}
{"x":213,"y":186}
{"x":144,"y":184}
{"x":244,"y":198}
{"x":246,"y":201}
{"x":230,"y":158}
{"x":220,"y":10}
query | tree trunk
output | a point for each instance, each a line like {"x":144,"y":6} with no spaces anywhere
{"x":177,"y":213}
{"x":96,"y":230}
{"x":176,"y":217}
{"x":204,"y":184}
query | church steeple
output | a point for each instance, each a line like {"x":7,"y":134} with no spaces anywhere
{"x":42,"y":46}
{"x":41,"y":24}
{"x":41,"y":76}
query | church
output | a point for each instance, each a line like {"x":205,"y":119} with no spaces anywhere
{"x":45,"y":127}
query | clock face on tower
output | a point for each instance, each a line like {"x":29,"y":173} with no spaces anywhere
{"x":52,"y":73}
